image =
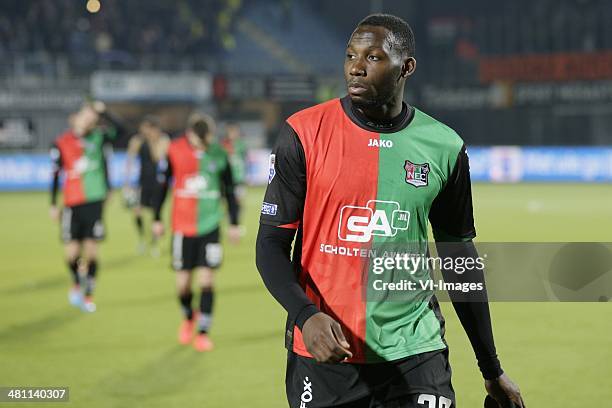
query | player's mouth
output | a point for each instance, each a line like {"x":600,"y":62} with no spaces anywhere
{"x":356,"y":89}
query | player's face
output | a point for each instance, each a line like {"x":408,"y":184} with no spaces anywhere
{"x":197,"y":140}
{"x":233,"y":132}
{"x":373,"y":70}
{"x":85,"y":119}
{"x":143,"y":129}
{"x":147,"y":131}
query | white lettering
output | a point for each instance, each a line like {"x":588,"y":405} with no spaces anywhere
{"x":306,"y":396}
{"x":380,"y":143}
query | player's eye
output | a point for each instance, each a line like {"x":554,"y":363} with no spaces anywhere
{"x":350,"y":56}
{"x":374,"y":58}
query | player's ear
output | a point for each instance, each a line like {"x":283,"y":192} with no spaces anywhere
{"x":408,"y":67}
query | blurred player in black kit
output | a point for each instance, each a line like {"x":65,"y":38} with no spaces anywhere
{"x":149,"y":145}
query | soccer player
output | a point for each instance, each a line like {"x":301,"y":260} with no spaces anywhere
{"x":355,"y":174}
{"x":202,"y":174}
{"x":80,"y":155}
{"x":149,"y":145}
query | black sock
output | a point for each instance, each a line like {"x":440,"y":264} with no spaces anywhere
{"x":206,"y":306}
{"x":139,"y":225}
{"x":74,"y":270}
{"x":92,"y":270}
{"x":185,"y":301}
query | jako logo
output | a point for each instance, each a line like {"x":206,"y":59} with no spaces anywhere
{"x":307,"y":394}
{"x":380,"y":143}
{"x":382,"y":218}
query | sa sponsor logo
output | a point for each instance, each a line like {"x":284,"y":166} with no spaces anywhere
{"x":380,"y":143}
{"x":195,"y":183}
{"x":306,"y":396}
{"x":377,"y":218}
{"x":417,"y":174}
{"x":80,"y":166}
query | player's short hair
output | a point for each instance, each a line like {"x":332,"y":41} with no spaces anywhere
{"x":401,"y":36}
{"x":200,"y":124}
{"x":151,"y":120}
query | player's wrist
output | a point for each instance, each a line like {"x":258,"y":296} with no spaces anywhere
{"x":490,"y":368}
{"x":306,"y":313}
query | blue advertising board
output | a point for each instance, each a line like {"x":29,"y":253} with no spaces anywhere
{"x":541,"y":164}
{"x":502,"y":164}
{"x":23,"y":171}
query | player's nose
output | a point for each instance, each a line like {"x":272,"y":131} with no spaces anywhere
{"x":357,"y":68}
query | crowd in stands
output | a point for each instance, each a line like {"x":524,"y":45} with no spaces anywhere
{"x":175,"y":27}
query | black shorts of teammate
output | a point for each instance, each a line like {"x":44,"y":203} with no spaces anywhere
{"x":147,"y":196}
{"x":192,"y":252}
{"x":419,"y":381}
{"x":83,"y":222}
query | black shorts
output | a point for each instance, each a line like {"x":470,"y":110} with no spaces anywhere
{"x":191,"y":252}
{"x":83,"y":222}
{"x":147,"y":194}
{"x":420,"y":381}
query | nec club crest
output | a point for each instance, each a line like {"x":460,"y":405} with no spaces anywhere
{"x":417,"y":174}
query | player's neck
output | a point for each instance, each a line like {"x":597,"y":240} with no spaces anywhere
{"x":383,"y":113}
{"x":394,"y":124}
{"x":79,"y":132}
{"x":200,"y":147}
{"x":380,"y":114}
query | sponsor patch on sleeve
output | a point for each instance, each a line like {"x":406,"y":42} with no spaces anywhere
{"x":272,"y":171}
{"x":268,"y":209}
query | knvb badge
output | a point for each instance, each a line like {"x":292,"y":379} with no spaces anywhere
{"x":416,"y":174}
{"x":268,"y":209}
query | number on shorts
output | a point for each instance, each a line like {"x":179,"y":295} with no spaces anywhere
{"x":430,"y":400}
{"x":214,"y":254}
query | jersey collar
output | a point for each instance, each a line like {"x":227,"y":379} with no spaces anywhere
{"x":394,"y":125}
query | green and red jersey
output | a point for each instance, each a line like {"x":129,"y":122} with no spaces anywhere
{"x":83,"y":164}
{"x":349,"y":184}
{"x":201,"y":177}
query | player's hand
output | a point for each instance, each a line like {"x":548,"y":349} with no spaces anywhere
{"x":99,"y":106}
{"x":234,"y":234}
{"x":54,"y":213}
{"x":324,"y":339}
{"x":129,"y":196}
{"x":505,"y":392}
{"x":158,"y":228}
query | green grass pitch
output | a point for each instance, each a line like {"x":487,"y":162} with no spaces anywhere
{"x":126,"y":355}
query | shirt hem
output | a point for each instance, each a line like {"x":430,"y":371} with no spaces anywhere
{"x":397,"y":355}
{"x":390,"y":357}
